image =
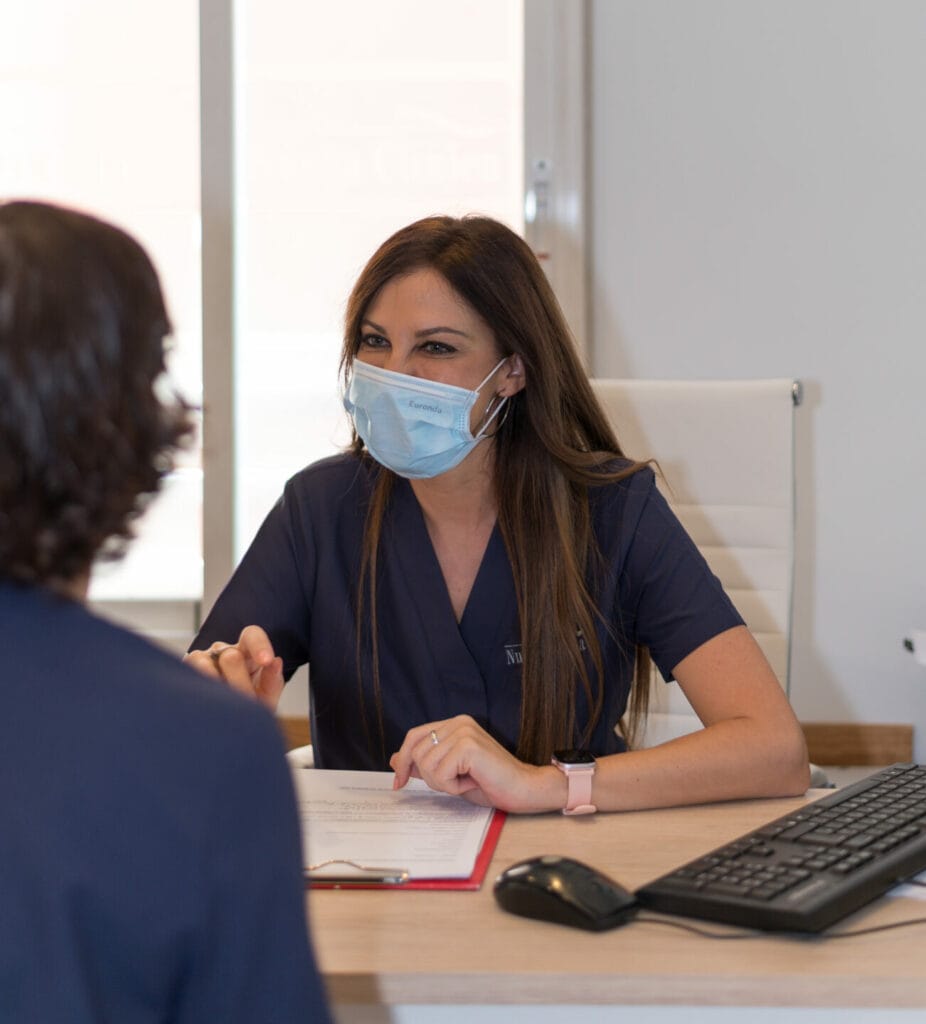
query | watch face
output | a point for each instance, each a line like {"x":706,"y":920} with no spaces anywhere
{"x":573,"y":757}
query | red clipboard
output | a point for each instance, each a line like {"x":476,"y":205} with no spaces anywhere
{"x":470,"y":884}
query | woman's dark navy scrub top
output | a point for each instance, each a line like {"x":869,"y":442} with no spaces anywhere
{"x":298,"y":581}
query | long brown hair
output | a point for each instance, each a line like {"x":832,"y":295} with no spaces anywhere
{"x":554,"y":443}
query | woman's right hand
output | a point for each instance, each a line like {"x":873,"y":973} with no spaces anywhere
{"x":249,"y":666}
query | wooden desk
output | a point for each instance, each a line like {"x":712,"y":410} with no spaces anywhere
{"x":396,"y":951}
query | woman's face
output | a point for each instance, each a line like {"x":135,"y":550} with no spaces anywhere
{"x":418,"y":325}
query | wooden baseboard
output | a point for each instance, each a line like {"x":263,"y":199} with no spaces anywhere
{"x":853,"y":743}
{"x":295,"y":731}
{"x":835,"y":743}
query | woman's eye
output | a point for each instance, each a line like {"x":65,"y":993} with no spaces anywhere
{"x":373,"y":341}
{"x":437,"y":348}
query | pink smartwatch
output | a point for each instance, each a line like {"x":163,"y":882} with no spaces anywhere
{"x":579,"y":768}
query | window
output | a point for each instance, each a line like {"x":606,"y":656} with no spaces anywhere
{"x":351,"y":120}
{"x":96,"y":117}
{"x":356,"y":118}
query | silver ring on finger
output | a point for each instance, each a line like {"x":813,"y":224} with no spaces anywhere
{"x":434,"y":738}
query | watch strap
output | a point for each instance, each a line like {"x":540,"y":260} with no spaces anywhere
{"x":579,"y":791}
{"x":578,"y":786}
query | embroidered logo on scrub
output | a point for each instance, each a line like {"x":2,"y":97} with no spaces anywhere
{"x":513,"y":654}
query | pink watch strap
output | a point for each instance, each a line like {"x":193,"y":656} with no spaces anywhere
{"x":579,"y":792}
{"x":579,"y":786}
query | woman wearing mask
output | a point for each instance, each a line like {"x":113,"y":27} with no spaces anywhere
{"x":479,"y":583}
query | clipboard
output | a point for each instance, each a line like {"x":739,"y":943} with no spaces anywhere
{"x":396,"y":878}
{"x":360,"y":832}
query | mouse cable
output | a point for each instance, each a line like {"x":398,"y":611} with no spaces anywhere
{"x":646,"y":918}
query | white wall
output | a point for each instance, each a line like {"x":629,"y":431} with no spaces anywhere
{"x":758,"y":208}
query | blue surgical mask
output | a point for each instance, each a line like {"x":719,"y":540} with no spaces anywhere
{"x":417,"y":428}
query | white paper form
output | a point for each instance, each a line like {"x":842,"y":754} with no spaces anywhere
{"x":355,"y":825}
{"x":913,"y":892}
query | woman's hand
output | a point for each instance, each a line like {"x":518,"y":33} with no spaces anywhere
{"x":457,"y":756}
{"x":249,"y":666}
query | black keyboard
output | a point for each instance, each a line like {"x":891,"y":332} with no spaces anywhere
{"x":806,"y":870}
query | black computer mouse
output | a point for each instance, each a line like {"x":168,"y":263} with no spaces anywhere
{"x":566,"y":891}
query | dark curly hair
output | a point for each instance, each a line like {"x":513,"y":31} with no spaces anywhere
{"x":84,"y":438}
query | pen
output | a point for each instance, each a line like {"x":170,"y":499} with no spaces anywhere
{"x":368,"y":873}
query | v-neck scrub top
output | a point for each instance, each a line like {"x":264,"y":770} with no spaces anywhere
{"x":299,"y":579}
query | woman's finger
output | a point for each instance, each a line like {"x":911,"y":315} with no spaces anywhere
{"x":269,"y":683}
{"x":233,"y":668}
{"x":255,"y":645}
{"x":403,"y":761}
{"x":203,"y":661}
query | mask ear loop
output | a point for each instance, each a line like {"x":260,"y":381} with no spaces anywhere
{"x":504,"y":407}
{"x":491,"y":374}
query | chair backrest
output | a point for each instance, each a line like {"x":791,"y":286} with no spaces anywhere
{"x":725,"y":449}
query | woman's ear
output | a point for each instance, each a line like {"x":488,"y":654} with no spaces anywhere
{"x":514,"y":377}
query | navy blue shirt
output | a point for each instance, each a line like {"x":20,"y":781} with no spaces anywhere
{"x":298,"y":581}
{"x":150,"y":863}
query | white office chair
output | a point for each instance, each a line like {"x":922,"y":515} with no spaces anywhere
{"x":725,"y":449}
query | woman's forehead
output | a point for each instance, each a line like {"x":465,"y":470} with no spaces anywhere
{"x":423,"y":298}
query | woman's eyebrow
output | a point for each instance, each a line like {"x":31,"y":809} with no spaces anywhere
{"x":440,"y":330}
{"x":423,"y":333}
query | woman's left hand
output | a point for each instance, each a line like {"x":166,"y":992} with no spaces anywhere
{"x":458,"y":756}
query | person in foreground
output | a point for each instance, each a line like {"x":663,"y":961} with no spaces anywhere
{"x":482,"y":578}
{"x":150,"y":871}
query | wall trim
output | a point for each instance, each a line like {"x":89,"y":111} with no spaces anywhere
{"x":555,"y":151}
{"x":295,"y":730}
{"x":855,"y":743}
{"x":829,"y":743}
{"x":217,"y":199}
